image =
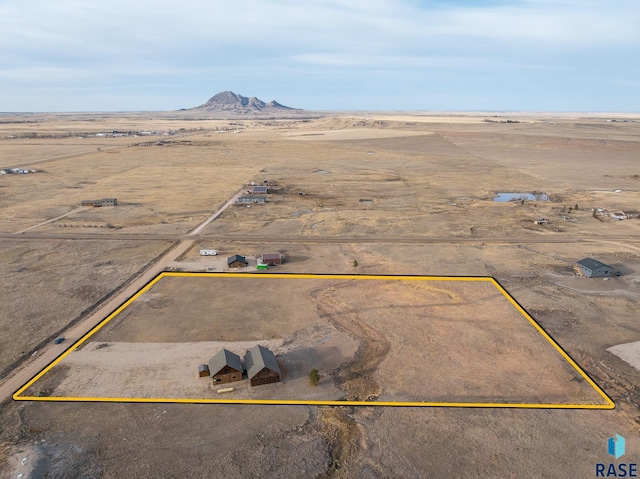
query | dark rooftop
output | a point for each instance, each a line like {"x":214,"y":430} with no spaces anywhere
{"x":222,"y":359}
{"x":236,"y":257}
{"x":258,"y":358}
{"x":592,"y":264}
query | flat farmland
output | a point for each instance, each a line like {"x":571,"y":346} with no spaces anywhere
{"x":420,"y":178}
{"x":404,"y":340}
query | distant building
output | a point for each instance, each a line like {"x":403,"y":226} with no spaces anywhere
{"x":236,"y":261}
{"x":618,"y":215}
{"x":592,"y":269}
{"x":259,"y":190}
{"x":542,"y":221}
{"x":225,"y":367}
{"x":102,"y":202}
{"x":262,"y":367}
{"x":251,"y":199}
{"x":631,"y":215}
{"x":271,"y":258}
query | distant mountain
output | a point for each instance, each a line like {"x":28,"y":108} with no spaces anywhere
{"x":227,"y":101}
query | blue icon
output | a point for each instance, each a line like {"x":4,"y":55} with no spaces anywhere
{"x":616,"y":446}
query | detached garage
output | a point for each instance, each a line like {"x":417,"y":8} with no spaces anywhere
{"x":592,"y":269}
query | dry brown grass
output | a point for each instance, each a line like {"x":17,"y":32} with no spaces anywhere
{"x":45,"y":286}
{"x":433,"y":341}
{"x":436,"y":181}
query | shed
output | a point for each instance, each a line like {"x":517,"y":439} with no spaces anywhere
{"x":592,"y":269}
{"x":108,"y":202}
{"x":203,"y":371}
{"x":225,"y":367}
{"x":271,"y":258}
{"x":236,"y":261}
{"x":259,"y":190}
{"x":262,"y":367}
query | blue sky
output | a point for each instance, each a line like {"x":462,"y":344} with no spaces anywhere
{"x":536,"y":55}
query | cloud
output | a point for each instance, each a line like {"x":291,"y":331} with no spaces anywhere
{"x":82,"y":43}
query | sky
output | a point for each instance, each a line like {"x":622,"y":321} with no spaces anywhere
{"x":458,"y":55}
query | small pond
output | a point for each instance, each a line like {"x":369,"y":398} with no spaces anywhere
{"x":535,"y":196}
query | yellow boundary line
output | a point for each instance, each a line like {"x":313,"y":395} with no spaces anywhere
{"x":17,"y":396}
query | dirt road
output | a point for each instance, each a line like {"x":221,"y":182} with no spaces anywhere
{"x":216,"y":214}
{"x":622,"y":240}
{"x":77,"y":210}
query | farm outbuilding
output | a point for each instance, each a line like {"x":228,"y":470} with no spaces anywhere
{"x":225,"y":367}
{"x":262,"y":367}
{"x":236,"y":261}
{"x":251,"y":199}
{"x":203,"y":371}
{"x":271,"y":258}
{"x":592,"y":269}
{"x":259,"y":190}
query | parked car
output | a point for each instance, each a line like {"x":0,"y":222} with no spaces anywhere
{"x":58,"y":340}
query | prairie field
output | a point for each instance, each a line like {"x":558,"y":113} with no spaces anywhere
{"x":374,"y":194}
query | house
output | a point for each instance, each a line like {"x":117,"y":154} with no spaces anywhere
{"x":203,"y":371}
{"x":259,"y":190}
{"x":262,"y":367}
{"x":225,"y":367}
{"x":592,"y":269}
{"x":236,"y":261}
{"x":271,"y":258}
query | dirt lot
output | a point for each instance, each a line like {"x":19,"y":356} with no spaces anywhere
{"x":437,"y":182}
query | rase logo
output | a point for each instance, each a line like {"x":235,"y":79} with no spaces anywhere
{"x":616,"y":448}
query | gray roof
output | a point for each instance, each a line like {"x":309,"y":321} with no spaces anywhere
{"x":592,"y":264}
{"x":258,"y":358}
{"x":271,"y":256}
{"x":203,"y":367}
{"x":222,"y":359}
{"x":260,"y":189}
{"x":236,"y":257}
